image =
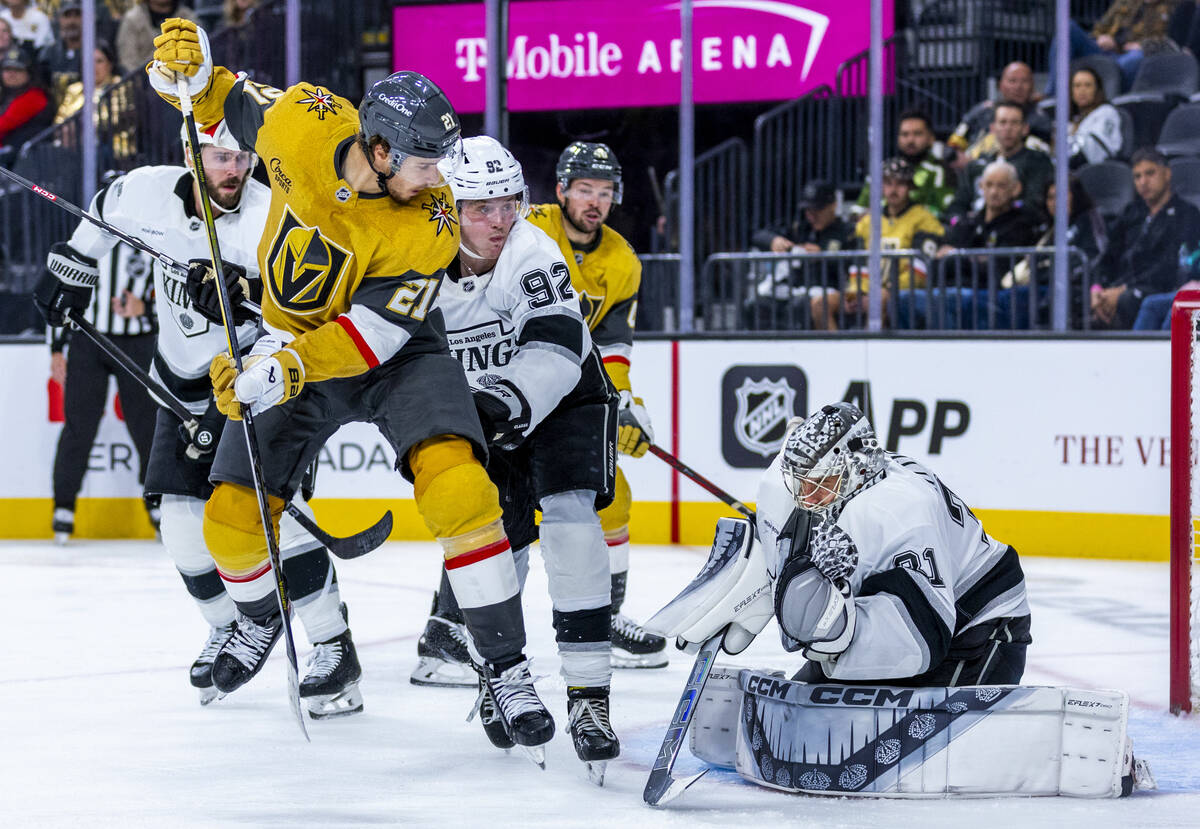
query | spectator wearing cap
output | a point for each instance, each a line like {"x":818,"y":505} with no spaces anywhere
{"x":904,"y":226}
{"x":140,"y":25}
{"x":59,"y":62}
{"x":24,"y":106}
{"x":1145,"y":243}
{"x":933,"y":180}
{"x":29,"y":24}
{"x":972,"y":137}
{"x":1034,"y":168}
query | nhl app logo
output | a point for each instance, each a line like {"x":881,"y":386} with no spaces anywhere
{"x":756,"y":404}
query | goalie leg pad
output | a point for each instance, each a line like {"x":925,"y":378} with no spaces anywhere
{"x":978,"y":741}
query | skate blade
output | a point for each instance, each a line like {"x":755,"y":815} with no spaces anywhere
{"x":596,"y":771}
{"x":432,"y":672}
{"x":624,"y":659}
{"x":61,"y":539}
{"x":209,"y":695}
{"x":327,"y":706}
{"x":536,"y":755}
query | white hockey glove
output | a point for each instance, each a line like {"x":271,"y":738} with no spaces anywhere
{"x":272,"y":374}
{"x":503,"y":412}
{"x":634,"y":433}
{"x":814,"y":611}
{"x":181,"y":49}
{"x":731,"y":589}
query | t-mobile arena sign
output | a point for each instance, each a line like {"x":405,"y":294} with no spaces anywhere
{"x":593,"y":54}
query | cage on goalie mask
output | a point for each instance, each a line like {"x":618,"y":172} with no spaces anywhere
{"x":487,"y":171}
{"x":413,"y":115}
{"x":830,"y":457}
{"x":584,"y":159}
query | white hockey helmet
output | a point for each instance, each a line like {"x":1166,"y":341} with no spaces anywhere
{"x":487,"y":170}
{"x":831,"y":457}
{"x":217,"y":135}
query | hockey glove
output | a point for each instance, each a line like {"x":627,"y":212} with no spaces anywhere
{"x":66,"y":285}
{"x":181,"y":49}
{"x":503,"y":413}
{"x":202,"y":441}
{"x":815,"y":613}
{"x":202,"y":291}
{"x":272,"y":374}
{"x":634,"y":434}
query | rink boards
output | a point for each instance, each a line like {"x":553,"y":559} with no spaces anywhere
{"x":1061,"y":446}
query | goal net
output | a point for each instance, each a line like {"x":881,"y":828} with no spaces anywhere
{"x":1185,"y":502}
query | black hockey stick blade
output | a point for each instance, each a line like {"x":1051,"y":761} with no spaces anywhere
{"x":661,"y":786}
{"x":352,"y":546}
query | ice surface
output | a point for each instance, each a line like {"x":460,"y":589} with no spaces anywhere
{"x":99,"y":726}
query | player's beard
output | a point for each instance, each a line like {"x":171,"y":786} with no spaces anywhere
{"x":223,"y":199}
{"x":598,"y":219}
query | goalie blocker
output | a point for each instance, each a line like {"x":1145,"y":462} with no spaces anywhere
{"x":883,"y":741}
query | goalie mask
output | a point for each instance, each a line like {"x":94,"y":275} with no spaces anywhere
{"x":487,"y":171}
{"x":830,"y":457}
{"x":414,"y":117}
{"x":584,"y":159}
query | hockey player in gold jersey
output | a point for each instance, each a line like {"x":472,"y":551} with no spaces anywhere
{"x":606,"y":274}
{"x":360,"y":229}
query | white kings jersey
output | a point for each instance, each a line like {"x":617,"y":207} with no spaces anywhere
{"x":519,"y":322}
{"x":926,"y":570}
{"x":156,"y":205}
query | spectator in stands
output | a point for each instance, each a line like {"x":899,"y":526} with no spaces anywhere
{"x":1095,"y":127}
{"x":1184,"y":27}
{"x":29,"y":24}
{"x":6,"y":35}
{"x":972,"y":137}
{"x":904,"y":225}
{"x":59,"y":61}
{"x":237,"y":13}
{"x":1122,"y":32}
{"x":139,"y":26}
{"x":1145,"y":243}
{"x":105,"y":63}
{"x":1034,"y":168}
{"x":24,"y":106}
{"x":116,"y":116}
{"x":933,"y":180}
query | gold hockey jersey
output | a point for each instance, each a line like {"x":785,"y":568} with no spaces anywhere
{"x":352,"y":276}
{"x":606,"y":277}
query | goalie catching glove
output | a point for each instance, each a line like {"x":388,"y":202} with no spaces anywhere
{"x":66,"y":285}
{"x":202,"y":291}
{"x":181,"y":49}
{"x":272,"y":374}
{"x":634,"y":433}
{"x":732,"y":589}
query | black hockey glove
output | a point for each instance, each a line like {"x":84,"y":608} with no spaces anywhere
{"x":66,"y":285}
{"x":503,"y":413}
{"x":203,"y":441}
{"x":202,"y":290}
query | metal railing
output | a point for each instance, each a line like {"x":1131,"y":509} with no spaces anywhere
{"x":992,"y":289}
{"x":722,"y":220}
{"x":793,"y":143}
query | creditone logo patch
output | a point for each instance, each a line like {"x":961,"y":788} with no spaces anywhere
{"x":440,"y":211}
{"x":756,"y":404}
{"x":303,"y":266}
{"x":319,"y":101}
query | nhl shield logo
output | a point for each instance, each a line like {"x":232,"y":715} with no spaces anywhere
{"x":763,"y":410}
{"x":757,"y":401}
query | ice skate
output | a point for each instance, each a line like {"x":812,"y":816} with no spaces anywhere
{"x":330,"y":688}
{"x":442,"y":657}
{"x":588,"y":724}
{"x":525,"y":720}
{"x":201,"y":670}
{"x":63,"y":525}
{"x":635,"y":647}
{"x":489,"y":715}
{"x":243,"y":655}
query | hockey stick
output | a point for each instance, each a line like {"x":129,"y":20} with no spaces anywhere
{"x":132,"y":241}
{"x":661,"y":786}
{"x":351,"y":546}
{"x":256,"y":473}
{"x":700,"y":480}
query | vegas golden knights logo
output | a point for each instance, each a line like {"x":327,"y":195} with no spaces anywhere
{"x":591,"y":307}
{"x":303,"y":266}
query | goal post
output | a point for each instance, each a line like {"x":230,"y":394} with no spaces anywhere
{"x":1185,"y":501}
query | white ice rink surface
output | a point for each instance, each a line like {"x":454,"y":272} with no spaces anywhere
{"x":99,"y":727}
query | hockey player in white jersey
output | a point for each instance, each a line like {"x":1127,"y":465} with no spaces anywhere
{"x":161,"y":205}
{"x":881,"y":576}
{"x":549,"y":413}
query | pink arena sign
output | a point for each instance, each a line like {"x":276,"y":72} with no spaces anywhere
{"x":593,"y":54}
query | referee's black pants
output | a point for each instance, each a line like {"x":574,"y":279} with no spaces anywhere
{"x":88,"y":369}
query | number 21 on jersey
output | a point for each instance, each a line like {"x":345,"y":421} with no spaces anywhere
{"x":414,"y":297}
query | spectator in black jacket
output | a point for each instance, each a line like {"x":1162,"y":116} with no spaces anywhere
{"x":1144,"y":244}
{"x":816,"y":226}
{"x":1034,"y":168}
